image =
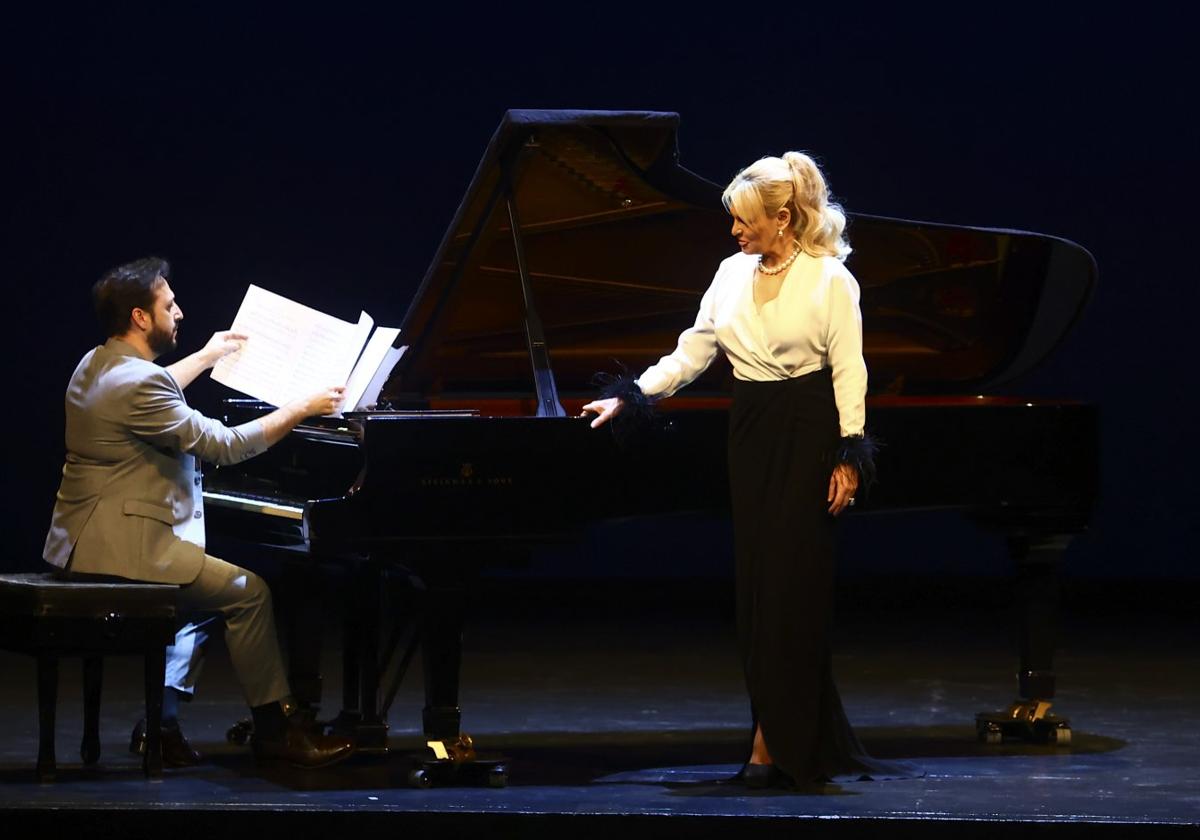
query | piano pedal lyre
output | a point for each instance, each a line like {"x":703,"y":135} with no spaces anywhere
{"x":456,"y":763}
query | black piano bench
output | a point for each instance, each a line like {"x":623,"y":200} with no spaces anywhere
{"x":49,"y":618}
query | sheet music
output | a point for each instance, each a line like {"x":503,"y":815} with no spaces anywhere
{"x":292,"y":351}
{"x":368,"y":364}
{"x":371,"y":395}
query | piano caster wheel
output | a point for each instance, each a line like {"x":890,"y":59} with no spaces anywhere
{"x":989,"y":733}
{"x":1059,"y":736}
{"x":1020,"y":723}
{"x":492,"y":772}
{"x":240,"y":732}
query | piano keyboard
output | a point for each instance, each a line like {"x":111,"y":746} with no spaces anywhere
{"x":268,"y":506}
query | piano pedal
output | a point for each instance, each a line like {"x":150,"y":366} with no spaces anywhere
{"x":1024,"y":720}
{"x":455,"y":763}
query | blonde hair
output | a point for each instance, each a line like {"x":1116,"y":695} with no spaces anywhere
{"x":793,"y":181}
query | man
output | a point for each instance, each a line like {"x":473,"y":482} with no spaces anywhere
{"x":130,"y":502}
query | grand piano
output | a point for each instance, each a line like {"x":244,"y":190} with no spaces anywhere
{"x":582,"y":244}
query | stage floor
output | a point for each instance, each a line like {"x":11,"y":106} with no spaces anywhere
{"x":632,"y":709}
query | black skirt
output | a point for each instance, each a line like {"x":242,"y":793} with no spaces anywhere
{"x":782,"y":436}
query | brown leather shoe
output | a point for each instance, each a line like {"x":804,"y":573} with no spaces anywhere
{"x":301,"y":747}
{"x":176,"y":751}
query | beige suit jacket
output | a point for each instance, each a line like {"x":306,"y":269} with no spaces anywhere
{"x":131,"y":482}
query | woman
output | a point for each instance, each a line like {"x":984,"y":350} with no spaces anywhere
{"x":785,"y":311}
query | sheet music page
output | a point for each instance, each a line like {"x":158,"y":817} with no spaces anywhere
{"x":368,"y":363}
{"x":292,"y":351}
{"x":371,"y":394}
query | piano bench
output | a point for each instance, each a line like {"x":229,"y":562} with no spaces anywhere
{"x":48,"y":618}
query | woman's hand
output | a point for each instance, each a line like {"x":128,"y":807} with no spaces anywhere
{"x":604,"y":410}
{"x":842,"y":486}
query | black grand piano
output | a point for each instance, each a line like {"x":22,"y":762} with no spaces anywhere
{"x":582,"y":243}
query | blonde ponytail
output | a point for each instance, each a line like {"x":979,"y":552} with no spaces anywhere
{"x":794,"y":181}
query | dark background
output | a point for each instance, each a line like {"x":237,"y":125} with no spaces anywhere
{"x":322,"y":154}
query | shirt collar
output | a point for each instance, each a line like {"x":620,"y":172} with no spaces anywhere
{"x":121,"y":348}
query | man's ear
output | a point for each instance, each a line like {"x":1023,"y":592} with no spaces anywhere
{"x":139,"y":318}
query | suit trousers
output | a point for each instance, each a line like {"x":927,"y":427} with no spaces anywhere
{"x":243,"y":600}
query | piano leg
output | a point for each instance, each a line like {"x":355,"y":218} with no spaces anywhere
{"x":1037,"y":559}
{"x":351,"y":631}
{"x":1037,"y":599}
{"x":450,"y":758}
{"x":438,"y":608}
{"x":361,"y":716}
{"x":371,"y":603}
{"x":303,"y":589}
{"x":441,"y":656}
{"x":429,"y":612}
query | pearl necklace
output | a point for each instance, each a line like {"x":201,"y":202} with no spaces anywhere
{"x":783,"y":266}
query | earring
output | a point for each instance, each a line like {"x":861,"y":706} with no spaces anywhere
{"x":779,"y":232}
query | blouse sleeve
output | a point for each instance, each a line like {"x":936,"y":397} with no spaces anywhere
{"x":693,"y":354}
{"x":844,"y":349}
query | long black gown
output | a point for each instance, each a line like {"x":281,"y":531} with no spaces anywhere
{"x":782,"y":436}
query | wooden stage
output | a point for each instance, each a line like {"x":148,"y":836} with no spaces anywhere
{"x":621,"y":708}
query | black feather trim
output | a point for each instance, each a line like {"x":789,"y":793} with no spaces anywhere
{"x":638,"y":408}
{"x":859,"y":452}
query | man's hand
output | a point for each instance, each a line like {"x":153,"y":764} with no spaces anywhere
{"x":285,"y":418}
{"x":325,"y":401}
{"x":221,"y":345}
{"x":604,"y":410}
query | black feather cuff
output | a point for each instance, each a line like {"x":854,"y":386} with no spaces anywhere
{"x":859,"y":452}
{"x":638,"y":408}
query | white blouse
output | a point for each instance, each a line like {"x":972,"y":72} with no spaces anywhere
{"x":814,"y":323}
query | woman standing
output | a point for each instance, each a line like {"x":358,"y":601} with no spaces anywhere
{"x":785,"y":311}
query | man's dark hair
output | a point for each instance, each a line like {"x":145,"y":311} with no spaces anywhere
{"x":125,"y":287}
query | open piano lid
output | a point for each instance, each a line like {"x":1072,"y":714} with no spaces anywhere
{"x":621,"y":242}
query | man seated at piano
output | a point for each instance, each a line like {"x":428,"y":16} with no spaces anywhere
{"x":130,"y":505}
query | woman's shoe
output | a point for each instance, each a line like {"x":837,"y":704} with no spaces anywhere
{"x":763,"y":776}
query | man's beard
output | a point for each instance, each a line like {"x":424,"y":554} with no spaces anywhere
{"x":161,"y":341}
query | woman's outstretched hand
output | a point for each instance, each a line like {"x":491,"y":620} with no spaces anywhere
{"x":842,"y":486}
{"x":604,"y":410}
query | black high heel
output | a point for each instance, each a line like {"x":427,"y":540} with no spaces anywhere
{"x":763,"y":776}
